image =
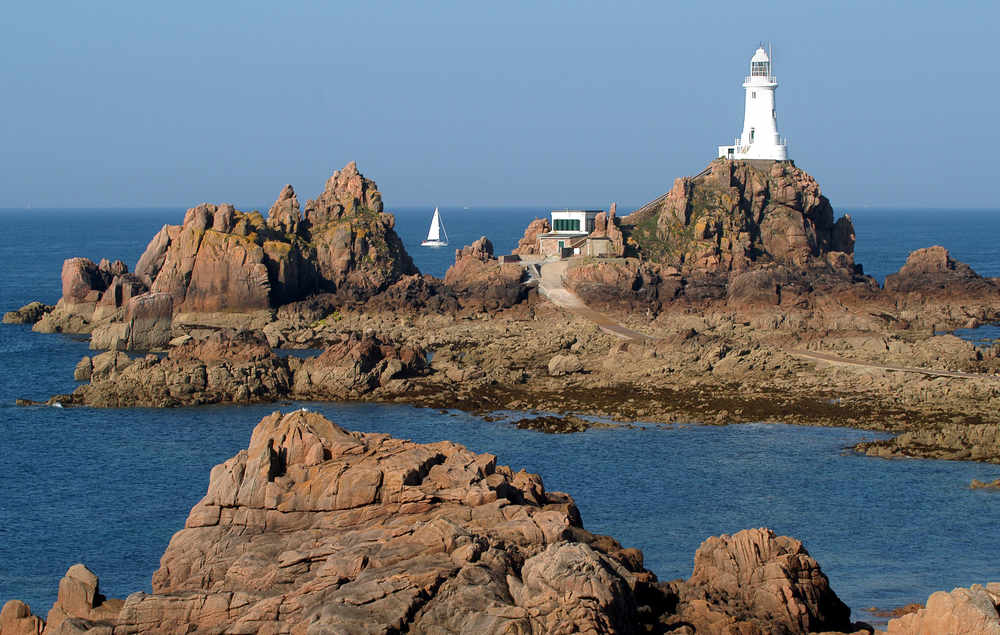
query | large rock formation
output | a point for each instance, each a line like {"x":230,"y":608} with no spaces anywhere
{"x":741,"y":234}
{"x":317,"y":528}
{"x":932,"y":271}
{"x":314,"y":529}
{"x":221,"y":260}
{"x":481,"y":282}
{"x":734,"y":215}
{"x":16,"y":619}
{"x":356,"y":249}
{"x":757,"y":582}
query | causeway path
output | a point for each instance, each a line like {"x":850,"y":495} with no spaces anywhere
{"x":833,"y":359}
{"x":551,"y":286}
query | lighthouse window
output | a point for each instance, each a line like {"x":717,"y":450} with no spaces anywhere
{"x":760,"y":69}
{"x":752,"y":130}
{"x":753,"y":95}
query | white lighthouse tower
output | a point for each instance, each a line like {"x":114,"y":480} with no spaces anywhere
{"x":760,"y":138}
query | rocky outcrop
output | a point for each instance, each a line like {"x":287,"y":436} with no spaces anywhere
{"x":756,"y":582}
{"x":222,"y":260}
{"x":356,"y":249}
{"x":971,"y":610}
{"x":734,"y":215}
{"x":205,"y":269}
{"x":224,"y":368}
{"x":528,"y":244}
{"x":27,"y":314}
{"x":606,"y":226}
{"x":416,"y":293}
{"x":91,"y":293}
{"x":314,"y":528}
{"x":933,"y":272}
{"x":976,"y":441}
{"x":625,"y":285}
{"x":80,"y":604}
{"x":240,"y":367}
{"x":145,"y":325}
{"x":16,"y":619}
{"x":355,"y":366}
{"x":480,"y":282}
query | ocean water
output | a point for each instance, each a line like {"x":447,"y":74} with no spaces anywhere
{"x":109,"y":487}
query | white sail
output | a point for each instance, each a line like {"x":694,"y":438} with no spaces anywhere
{"x":435,"y":232}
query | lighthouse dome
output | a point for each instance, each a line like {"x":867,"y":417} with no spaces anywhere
{"x":760,"y":64}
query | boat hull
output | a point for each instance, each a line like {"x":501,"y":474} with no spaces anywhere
{"x":434,"y":243}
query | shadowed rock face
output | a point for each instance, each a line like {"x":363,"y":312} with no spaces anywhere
{"x":734,"y":215}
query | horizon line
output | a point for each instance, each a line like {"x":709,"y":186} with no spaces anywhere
{"x":409,"y":206}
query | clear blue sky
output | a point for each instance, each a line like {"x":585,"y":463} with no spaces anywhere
{"x":468,"y":103}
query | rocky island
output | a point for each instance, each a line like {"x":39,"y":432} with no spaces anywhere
{"x":732,"y":298}
{"x":738,"y":287}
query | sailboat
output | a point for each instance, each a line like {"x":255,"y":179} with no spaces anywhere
{"x":435,"y":232}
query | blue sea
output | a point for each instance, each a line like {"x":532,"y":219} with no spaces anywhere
{"x":109,"y":487}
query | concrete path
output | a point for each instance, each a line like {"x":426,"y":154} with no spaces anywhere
{"x":551,"y":286}
{"x":833,"y":359}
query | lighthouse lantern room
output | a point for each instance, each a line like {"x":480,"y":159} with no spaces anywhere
{"x":760,"y":138}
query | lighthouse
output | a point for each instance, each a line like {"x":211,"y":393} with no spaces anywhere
{"x":760,"y":138}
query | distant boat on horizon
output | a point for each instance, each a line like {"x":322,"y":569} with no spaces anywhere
{"x":435,"y":232}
